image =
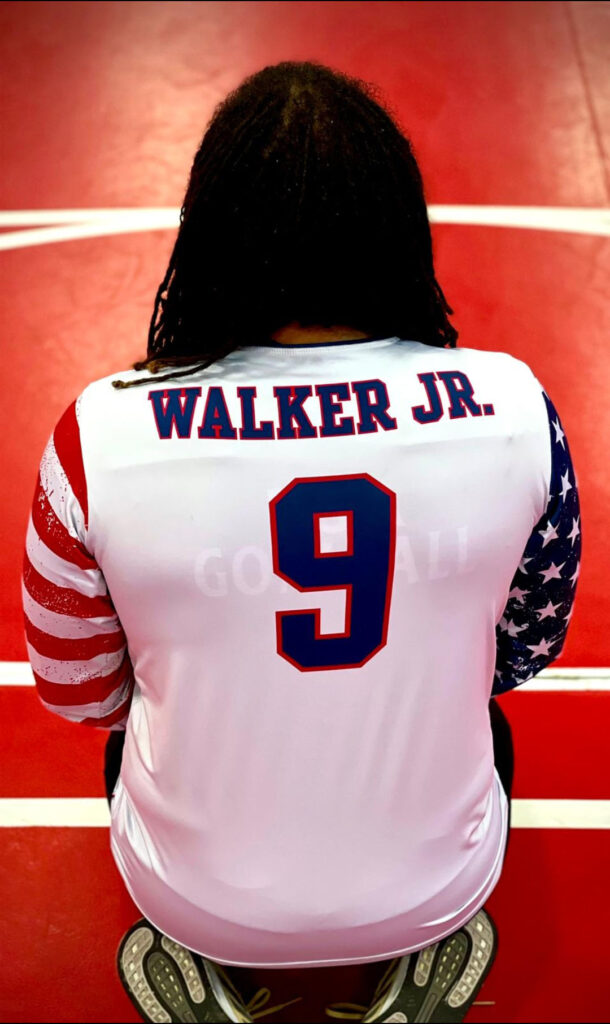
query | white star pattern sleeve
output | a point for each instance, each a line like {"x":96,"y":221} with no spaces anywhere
{"x":532,"y":630}
{"x":75,"y":642}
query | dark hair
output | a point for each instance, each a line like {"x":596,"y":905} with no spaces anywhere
{"x":304,"y":204}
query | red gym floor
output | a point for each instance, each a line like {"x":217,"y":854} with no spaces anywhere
{"x":508,"y":105}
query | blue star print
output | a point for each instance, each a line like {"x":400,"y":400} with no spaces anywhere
{"x":532,"y":630}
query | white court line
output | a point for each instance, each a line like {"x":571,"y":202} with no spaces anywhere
{"x":87,"y":812}
{"x":582,"y":220}
{"x":560,"y":814}
{"x":51,"y":812}
{"x":113,"y":225}
{"x":166,"y":216}
{"x":557,"y":680}
{"x":41,"y":227}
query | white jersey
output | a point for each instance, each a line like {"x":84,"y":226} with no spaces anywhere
{"x":294,"y":565}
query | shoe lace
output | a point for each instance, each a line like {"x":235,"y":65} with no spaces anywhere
{"x":260,"y":998}
{"x":355,"y":1011}
{"x":254,"y":1006}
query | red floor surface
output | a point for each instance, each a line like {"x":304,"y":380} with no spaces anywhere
{"x":103,"y":105}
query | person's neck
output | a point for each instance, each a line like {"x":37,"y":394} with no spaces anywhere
{"x":294,"y":334}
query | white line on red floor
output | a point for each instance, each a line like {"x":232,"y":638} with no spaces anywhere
{"x":43,"y":227}
{"x":77,"y":812}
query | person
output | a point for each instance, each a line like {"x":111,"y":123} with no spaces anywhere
{"x":290,"y":558}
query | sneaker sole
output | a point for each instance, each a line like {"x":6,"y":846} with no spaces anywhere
{"x":442,"y":981}
{"x":164,"y":980}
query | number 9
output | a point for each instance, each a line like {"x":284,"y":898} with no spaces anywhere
{"x":365,"y":570}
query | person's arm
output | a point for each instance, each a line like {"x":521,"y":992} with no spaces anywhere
{"x":533,"y":627}
{"x":75,"y":642}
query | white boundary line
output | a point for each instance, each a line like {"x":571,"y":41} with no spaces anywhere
{"x":558,"y":680}
{"x":594,"y":814}
{"x":51,"y":812}
{"x":167,"y":216}
{"x":43,"y":227}
{"x":582,"y":220}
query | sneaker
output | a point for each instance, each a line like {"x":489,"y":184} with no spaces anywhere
{"x":168,"y":983}
{"x":439,"y":983}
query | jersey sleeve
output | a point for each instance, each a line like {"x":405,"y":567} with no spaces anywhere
{"x":533,"y":627}
{"x":76,"y":645}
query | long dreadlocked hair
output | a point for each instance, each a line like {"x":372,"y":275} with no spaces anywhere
{"x":305,"y":204}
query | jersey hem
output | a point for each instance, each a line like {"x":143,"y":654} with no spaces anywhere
{"x":433,"y":935}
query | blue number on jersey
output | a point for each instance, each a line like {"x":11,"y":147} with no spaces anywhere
{"x":364,"y":570}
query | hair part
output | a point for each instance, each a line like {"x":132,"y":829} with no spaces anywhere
{"x":305,"y":204}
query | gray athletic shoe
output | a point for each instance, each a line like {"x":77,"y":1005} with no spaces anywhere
{"x":168,"y":984}
{"x":437,"y":984}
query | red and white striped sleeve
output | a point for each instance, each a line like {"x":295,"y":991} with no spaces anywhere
{"x":76,"y":645}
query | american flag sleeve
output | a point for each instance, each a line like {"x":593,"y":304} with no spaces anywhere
{"x":75,"y":641}
{"x":533,"y":627}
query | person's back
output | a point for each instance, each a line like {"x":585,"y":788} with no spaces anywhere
{"x":307,"y":567}
{"x":326,"y":539}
